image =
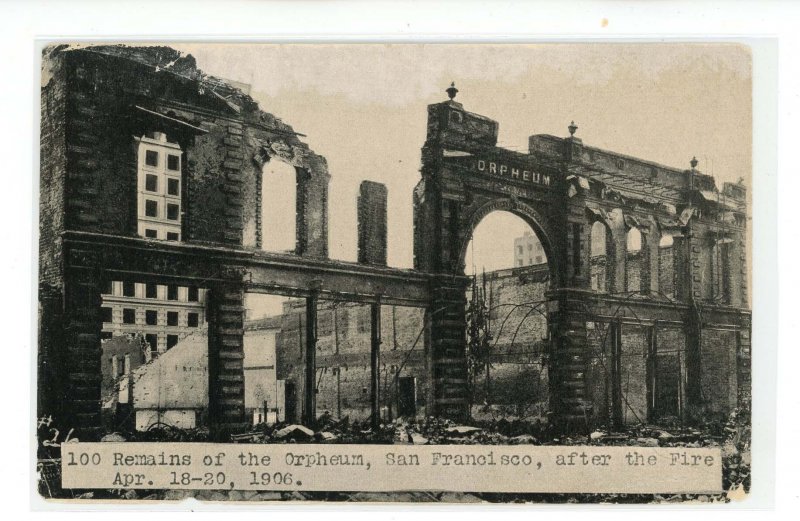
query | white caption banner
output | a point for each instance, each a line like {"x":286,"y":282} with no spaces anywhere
{"x":386,"y":468}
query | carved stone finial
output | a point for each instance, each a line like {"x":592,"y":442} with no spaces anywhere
{"x":694,"y":162}
{"x":452,"y":90}
{"x":572,"y":128}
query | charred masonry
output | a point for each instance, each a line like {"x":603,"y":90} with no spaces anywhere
{"x":151,"y":178}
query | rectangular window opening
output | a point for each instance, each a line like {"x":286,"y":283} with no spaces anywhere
{"x":151,"y":158}
{"x":151,"y":234}
{"x":128,"y":289}
{"x":192,"y":319}
{"x":173,"y":212}
{"x":173,"y":162}
{"x":193,"y":294}
{"x":172,"y":318}
{"x":152,"y":340}
{"x":172,"y":292}
{"x":171,"y":341}
{"x":151,"y":208}
{"x":151,"y":183}
{"x":151,"y":317}
{"x":151,"y":290}
{"x":173,"y":236}
{"x":173,"y":187}
{"x":128,"y":316}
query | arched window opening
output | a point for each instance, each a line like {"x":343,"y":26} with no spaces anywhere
{"x":666,"y":266}
{"x":278,"y":207}
{"x":634,"y":240}
{"x":633,"y":260}
{"x":599,"y":257}
{"x":506,"y":319}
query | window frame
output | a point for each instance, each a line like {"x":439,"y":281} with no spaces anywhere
{"x":147,"y":155}
{"x":153,"y":346}
{"x":176,"y":316}
{"x":193,"y":315}
{"x":125,"y":313}
{"x":147,"y":208}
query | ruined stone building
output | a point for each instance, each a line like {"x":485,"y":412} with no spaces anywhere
{"x":151,"y":177}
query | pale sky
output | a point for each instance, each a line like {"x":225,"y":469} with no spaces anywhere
{"x":363,"y":107}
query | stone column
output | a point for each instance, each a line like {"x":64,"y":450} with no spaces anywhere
{"x":310,"y":387}
{"x":375,"y":369}
{"x":680,"y":259}
{"x":618,"y":252}
{"x":372,"y":217}
{"x":649,"y":263}
{"x":312,"y":208}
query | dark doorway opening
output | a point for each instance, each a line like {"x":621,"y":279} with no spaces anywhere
{"x":667,"y":392}
{"x":291,"y":401}
{"x":407,"y":396}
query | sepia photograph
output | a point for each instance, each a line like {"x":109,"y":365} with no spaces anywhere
{"x":395,"y":272}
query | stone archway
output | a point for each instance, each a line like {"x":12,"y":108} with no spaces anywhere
{"x":514,"y":206}
{"x":507,"y":254}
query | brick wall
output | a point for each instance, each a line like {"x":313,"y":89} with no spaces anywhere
{"x":52,"y":171}
{"x":633,"y":374}
{"x":516,"y":382}
{"x":598,"y":371}
{"x":719,"y":372}
{"x":518,"y":375}
{"x":51,"y":224}
{"x":343,"y":347}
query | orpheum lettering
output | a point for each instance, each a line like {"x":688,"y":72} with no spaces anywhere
{"x":498,"y":169}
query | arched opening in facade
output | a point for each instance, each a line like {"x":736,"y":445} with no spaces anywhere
{"x":278,"y":207}
{"x":600,"y":261}
{"x":633,"y":260}
{"x":507,"y":331}
{"x":666,"y":266}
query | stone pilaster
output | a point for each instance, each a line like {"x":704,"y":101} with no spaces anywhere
{"x":226,"y":358}
{"x":448,"y":344}
{"x":80,"y":354}
{"x":568,"y":363}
